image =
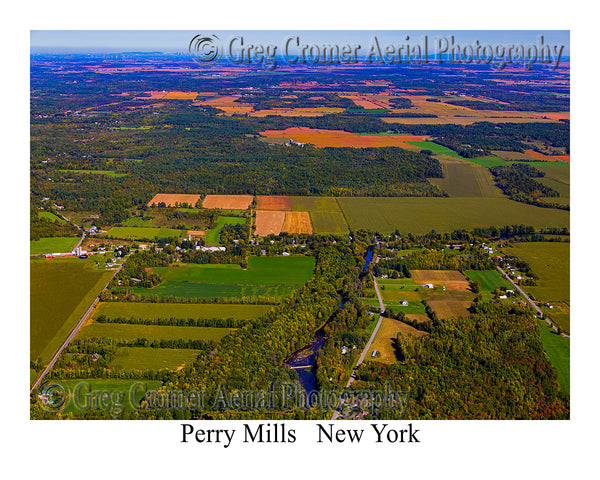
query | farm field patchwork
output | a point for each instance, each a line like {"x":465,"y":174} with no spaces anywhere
{"x":423,"y":214}
{"x":325,"y":214}
{"x":228,"y":202}
{"x":179,"y":310}
{"x":60,"y":293}
{"x":273,"y":202}
{"x":52,"y":245}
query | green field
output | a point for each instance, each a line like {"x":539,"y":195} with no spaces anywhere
{"x":79,"y":391}
{"x":141,"y":358}
{"x":60,"y":293}
{"x":213,"y":235}
{"x":138,"y":222}
{"x":558,"y":177}
{"x":265,"y":276}
{"x":465,"y":179}
{"x":550,"y":261}
{"x":179,"y":310}
{"x":488,"y":161}
{"x":436,"y":148}
{"x":52,"y":245}
{"x":489,"y":281}
{"x":124,"y":331}
{"x":559,"y":351}
{"x":110,"y":173}
{"x":143,"y":233}
{"x":53,"y":218}
{"x":325,"y":214}
{"x":423,"y":214}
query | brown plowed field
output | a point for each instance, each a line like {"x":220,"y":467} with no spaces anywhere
{"x":268,"y":222}
{"x":297,"y":222}
{"x":452,"y":279}
{"x":171,"y":199}
{"x":274,"y":202}
{"x":227,"y":202}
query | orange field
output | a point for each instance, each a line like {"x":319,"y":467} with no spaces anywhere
{"x":228,"y":202}
{"x":295,"y":112}
{"x":297,"y":222}
{"x":171,"y":199}
{"x":339,"y":138}
{"x":564,"y":158}
{"x":180,"y":96}
{"x":540,"y":156}
{"x":268,"y":222}
{"x":196,"y":233}
{"x":451,"y":279}
{"x":275,"y":202}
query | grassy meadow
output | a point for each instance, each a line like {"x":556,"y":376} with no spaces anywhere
{"x":325,"y":214}
{"x":52,"y":245}
{"x":179,"y":310}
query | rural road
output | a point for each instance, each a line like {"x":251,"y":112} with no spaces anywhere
{"x":337,"y":411}
{"x":72,"y":334}
{"x":537,"y":309}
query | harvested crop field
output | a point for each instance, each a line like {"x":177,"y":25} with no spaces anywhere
{"x":385,"y":340}
{"x":273,"y":202}
{"x":171,"y":199}
{"x":269,"y":222}
{"x":466,"y":179}
{"x":228,"y":202}
{"x":339,"y":138}
{"x":452,"y":279}
{"x":196,"y":233}
{"x":297,"y":222}
{"x":180,"y":96}
{"x":325,"y":213}
{"x":540,"y":156}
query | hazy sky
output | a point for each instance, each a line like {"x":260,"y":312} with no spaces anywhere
{"x":178,"y":40}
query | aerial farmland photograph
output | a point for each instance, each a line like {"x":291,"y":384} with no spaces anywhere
{"x":306,"y":225}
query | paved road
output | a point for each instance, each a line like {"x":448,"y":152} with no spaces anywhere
{"x":71,"y":335}
{"x":537,"y":309}
{"x":336,"y":413}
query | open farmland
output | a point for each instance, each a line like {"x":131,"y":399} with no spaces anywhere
{"x":385,"y":341}
{"x":269,"y":222}
{"x":421,"y":215}
{"x":339,"y":138}
{"x":53,"y":218}
{"x":228,"y":202}
{"x":153,"y":311}
{"x":325,"y":213}
{"x":550,"y":261}
{"x":52,"y":245}
{"x":145,"y":358}
{"x":60,"y":293}
{"x":127,"y":332}
{"x":265,"y":276}
{"x":213,"y":235}
{"x":174,"y":199}
{"x":273,"y":202}
{"x":489,"y":280}
{"x":180,"y":96}
{"x":297,"y":222}
{"x":143,"y":233}
{"x":558,"y":350}
{"x":466,"y":179}
{"x":451,"y":279}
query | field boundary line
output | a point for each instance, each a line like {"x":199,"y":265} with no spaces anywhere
{"x":343,"y":213}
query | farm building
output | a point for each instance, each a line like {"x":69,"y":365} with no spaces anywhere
{"x":428,"y":285}
{"x":404,"y":303}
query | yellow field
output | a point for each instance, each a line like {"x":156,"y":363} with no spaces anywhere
{"x":273,"y":202}
{"x":297,"y":222}
{"x":180,"y":96}
{"x":385,"y":340}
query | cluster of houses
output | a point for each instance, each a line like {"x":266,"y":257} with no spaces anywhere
{"x":486,"y":248}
